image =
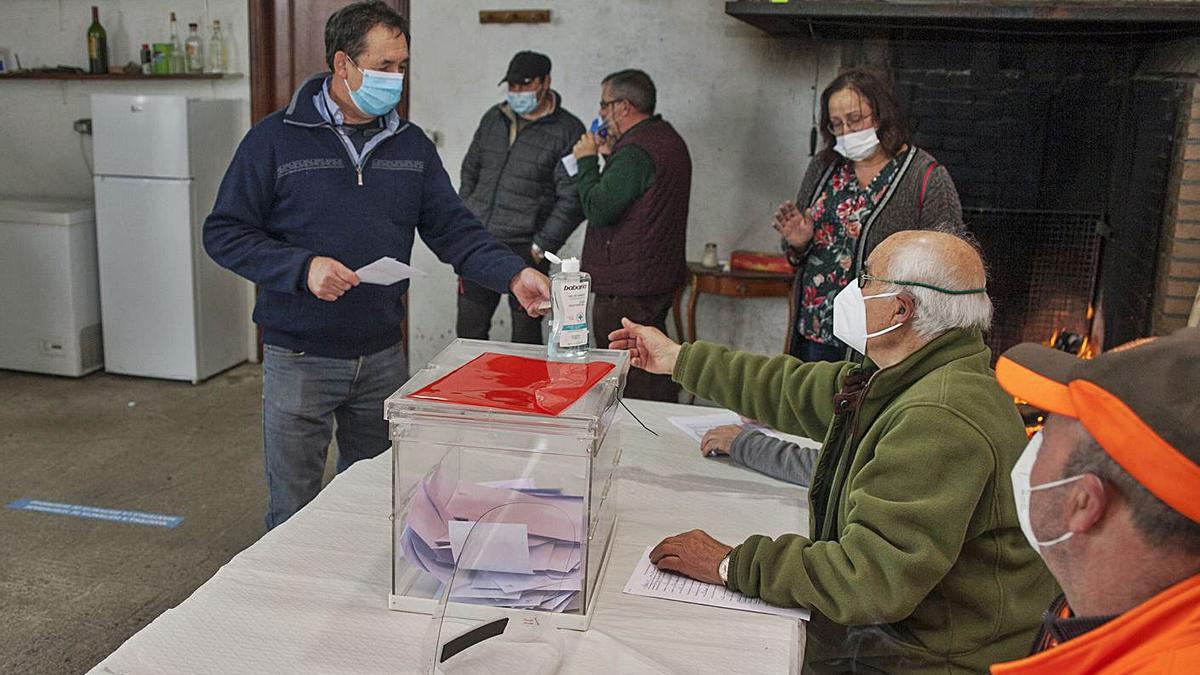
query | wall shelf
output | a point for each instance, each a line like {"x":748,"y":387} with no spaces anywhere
{"x":114,"y":77}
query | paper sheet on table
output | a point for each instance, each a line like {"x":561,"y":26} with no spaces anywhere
{"x":647,"y":580}
{"x":493,"y":547}
{"x":696,"y":426}
{"x":386,"y":271}
{"x":571,"y":165}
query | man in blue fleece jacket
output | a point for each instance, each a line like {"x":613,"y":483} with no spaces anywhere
{"x":329,"y":184}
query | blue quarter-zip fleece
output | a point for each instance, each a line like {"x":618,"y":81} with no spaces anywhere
{"x":293,"y":192}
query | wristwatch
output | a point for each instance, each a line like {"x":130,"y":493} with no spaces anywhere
{"x":723,"y":569}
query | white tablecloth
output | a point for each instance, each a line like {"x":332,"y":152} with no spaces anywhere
{"x":311,"y":596}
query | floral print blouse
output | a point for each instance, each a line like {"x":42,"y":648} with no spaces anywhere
{"x":838,"y":214}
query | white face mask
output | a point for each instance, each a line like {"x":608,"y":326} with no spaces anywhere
{"x":1023,"y":492}
{"x":850,"y":317}
{"x":857,"y":145}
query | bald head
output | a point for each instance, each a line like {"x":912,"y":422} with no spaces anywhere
{"x":944,"y":261}
{"x":961,"y":260}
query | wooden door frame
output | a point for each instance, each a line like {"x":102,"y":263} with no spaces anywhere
{"x":271,"y":27}
{"x":270,"y":35}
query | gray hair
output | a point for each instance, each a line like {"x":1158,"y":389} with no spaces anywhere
{"x":936,"y":313}
{"x":1160,"y":525}
{"x":633,"y":86}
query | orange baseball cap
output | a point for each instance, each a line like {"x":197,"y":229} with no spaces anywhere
{"x":1141,"y":403}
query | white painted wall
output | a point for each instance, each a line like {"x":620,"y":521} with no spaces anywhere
{"x":741,"y":99}
{"x":40,"y":154}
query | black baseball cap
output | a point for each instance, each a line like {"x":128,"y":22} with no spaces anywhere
{"x":526,"y":66}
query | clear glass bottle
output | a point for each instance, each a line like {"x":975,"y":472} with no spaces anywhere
{"x":569,"y":295}
{"x":217,"y":58}
{"x":195,"y":49}
{"x":177,"y":60}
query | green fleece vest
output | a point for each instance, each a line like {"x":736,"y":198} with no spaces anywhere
{"x":916,"y":563}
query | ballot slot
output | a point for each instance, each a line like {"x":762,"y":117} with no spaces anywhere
{"x":454,"y":464}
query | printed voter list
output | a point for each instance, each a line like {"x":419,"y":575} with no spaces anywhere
{"x":649,"y":581}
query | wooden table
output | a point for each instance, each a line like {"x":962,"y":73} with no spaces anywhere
{"x":732,"y":284}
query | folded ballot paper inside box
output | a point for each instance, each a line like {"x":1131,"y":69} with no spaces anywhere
{"x":504,"y":491}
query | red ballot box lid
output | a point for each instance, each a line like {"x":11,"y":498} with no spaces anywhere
{"x":516,"y":383}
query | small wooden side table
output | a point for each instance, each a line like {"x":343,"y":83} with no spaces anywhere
{"x":732,"y":284}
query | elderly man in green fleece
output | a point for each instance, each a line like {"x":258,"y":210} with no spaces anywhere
{"x":915,"y":561}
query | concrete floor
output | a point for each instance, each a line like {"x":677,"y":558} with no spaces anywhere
{"x":72,"y":589}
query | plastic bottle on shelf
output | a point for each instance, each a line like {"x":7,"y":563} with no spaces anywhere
{"x":147,"y":58}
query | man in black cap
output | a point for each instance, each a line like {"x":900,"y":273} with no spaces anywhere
{"x":514,"y":180}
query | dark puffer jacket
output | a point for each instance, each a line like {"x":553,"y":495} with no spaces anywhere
{"x":521,"y":191}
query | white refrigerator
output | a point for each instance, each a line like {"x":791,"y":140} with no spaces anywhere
{"x":167,"y":310}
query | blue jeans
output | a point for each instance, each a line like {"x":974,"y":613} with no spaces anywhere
{"x":302,"y":396}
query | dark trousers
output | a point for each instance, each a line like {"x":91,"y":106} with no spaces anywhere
{"x":648,"y":310}
{"x":477,"y":304}
{"x":809,"y":351}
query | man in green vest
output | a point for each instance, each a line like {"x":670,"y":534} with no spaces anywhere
{"x":915,"y":561}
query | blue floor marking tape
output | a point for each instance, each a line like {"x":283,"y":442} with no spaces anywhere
{"x":96,"y":513}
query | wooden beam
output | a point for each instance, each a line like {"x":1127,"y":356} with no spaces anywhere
{"x":507,"y":16}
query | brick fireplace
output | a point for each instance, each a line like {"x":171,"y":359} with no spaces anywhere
{"x":1069,"y":159}
{"x":1072,"y":131}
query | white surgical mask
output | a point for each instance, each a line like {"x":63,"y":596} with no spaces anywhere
{"x":1023,"y":492}
{"x":857,"y":145}
{"x":850,"y":317}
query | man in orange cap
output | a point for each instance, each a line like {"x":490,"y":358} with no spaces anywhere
{"x":1109,"y":494}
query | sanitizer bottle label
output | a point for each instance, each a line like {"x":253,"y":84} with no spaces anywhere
{"x":574,"y":331}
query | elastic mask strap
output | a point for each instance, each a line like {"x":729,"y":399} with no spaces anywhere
{"x":889,"y":328}
{"x":1057,"y":540}
{"x":939,"y":289}
{"x":1054,"y":483}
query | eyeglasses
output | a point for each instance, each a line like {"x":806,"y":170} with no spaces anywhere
{"x":605,"y":104}
{"x":852,"y":123}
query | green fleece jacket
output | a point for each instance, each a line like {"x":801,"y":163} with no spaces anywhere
{"x":916,"y":562}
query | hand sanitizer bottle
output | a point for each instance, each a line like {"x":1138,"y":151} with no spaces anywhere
{"x":569,"y":295}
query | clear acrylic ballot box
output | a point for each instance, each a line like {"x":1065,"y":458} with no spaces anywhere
{"x":504,"y":481}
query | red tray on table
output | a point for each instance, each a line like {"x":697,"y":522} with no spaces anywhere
{"x":516,"y":383}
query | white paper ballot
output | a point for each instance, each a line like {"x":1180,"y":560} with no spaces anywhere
{"x":571,"y":165}
{"x":386,"y":271}
{"x":493,"y":547}
{"x":649,"y":581}
{"x":696,"y":426}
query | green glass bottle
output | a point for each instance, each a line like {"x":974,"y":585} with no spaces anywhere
{"x":97,"y":44}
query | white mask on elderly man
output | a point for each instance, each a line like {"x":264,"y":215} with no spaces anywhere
{"x":850,"y":317}
{"x":1023,"y":492}
{"x":857,"y":145}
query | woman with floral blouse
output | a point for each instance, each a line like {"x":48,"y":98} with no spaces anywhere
{"x":866,"y":183}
